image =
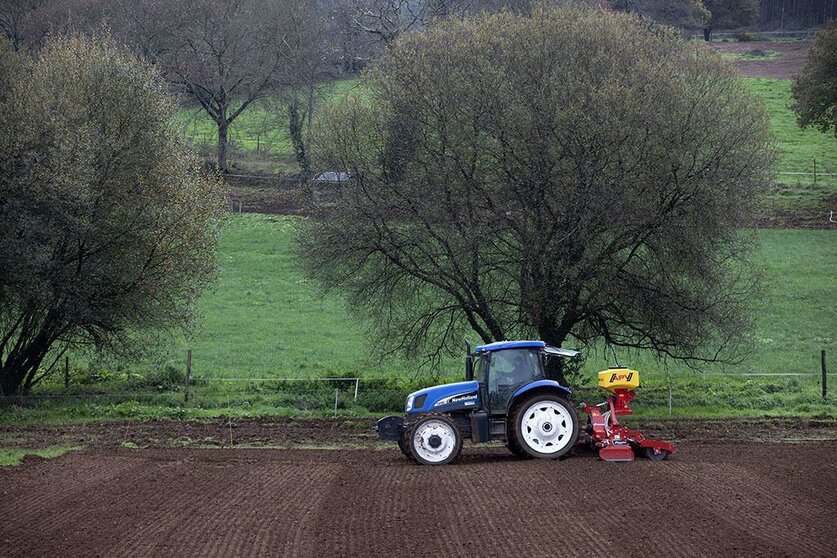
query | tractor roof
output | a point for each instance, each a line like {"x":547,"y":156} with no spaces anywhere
{"x":502,"y":345}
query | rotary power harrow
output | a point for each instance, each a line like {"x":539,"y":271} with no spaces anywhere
{"x":614,"y":441}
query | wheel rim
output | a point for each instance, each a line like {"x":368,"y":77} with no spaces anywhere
{"x":546,"y":427}
{"x":434,"y":441}
{"x":655,"y":455}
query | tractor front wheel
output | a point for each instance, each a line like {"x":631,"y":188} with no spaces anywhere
{"x":545,"y":426}
{"x":434,"y":440}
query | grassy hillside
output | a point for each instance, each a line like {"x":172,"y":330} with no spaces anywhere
{"x":798,"y":148}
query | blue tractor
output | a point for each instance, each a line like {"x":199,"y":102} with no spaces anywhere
{"x":506,"y":396}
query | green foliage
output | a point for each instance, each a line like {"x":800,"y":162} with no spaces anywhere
{"x":109,"y":225}
{"x":815,"y":88}
{"x":163,"y":378}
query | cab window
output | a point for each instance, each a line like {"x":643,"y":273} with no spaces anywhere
{"x":479,"y":368}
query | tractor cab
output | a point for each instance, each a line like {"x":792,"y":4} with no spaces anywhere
{"x":502,"y":369}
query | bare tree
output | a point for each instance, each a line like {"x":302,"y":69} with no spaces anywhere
{"x":352,"y":49}
{"x":388,"y":19}
{"x":223,"y":54}
{"x":307,"y":60}
{"x":13,"y":18}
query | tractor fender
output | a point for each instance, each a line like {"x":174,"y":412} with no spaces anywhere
{"x":540,"y":385}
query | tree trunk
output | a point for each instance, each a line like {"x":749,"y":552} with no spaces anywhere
{"x":555,"y":366}
{"x":707,"y":34}
{"x":296,"y":127}
{"x":18,"y":371}
{"x":223,"y":131}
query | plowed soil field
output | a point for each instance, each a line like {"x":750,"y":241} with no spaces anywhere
{"x":730,"y":498}
{"x":790,"y":59}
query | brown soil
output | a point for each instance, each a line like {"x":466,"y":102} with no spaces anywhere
{"x":359,"y":432}
{"x":790,"y":60}
{"x":727,"y":498}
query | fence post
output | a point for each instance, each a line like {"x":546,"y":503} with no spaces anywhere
{"x":822,"y":366}
{"x":66,"y":373}
{"x":815,"y":171}
{"x":357,"y":385}
{"x":188,"y":375}
{"x":335,"y":401}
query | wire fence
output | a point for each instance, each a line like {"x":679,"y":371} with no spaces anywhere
{"x":359,"y":395}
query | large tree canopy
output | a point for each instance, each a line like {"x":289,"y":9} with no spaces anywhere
{"x":107,"y":225}
{"x":570,"y":175}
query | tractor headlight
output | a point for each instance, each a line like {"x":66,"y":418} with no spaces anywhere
{"x":409,"y":403}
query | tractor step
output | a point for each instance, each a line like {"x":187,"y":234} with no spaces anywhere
{"x":612,"y":452}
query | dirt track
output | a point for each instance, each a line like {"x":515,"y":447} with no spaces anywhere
{"x":713,"y":499}
{"x":790,"y":60}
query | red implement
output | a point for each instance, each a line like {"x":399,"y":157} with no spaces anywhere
{"x":616,"y":442}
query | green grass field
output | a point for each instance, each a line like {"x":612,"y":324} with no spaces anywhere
{"x":800,"y":151}
{"x":264,"y":320}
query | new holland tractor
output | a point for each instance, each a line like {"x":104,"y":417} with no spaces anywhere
{"x":507,"y":396}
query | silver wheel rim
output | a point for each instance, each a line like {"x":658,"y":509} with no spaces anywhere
{"x":430,"y":433}
{"x":546,"y":427}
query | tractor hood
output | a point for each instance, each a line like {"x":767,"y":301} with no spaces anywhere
{"x":444,"y":398}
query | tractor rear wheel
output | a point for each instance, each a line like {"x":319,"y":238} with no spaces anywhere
{"x":545,"y":426}
{"x":433,"y":440}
